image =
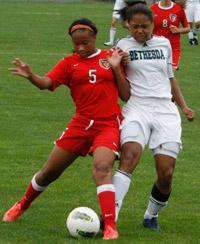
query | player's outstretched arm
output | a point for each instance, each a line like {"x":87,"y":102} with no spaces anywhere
{"x":179,"y":99}
{"x":24,"y":70}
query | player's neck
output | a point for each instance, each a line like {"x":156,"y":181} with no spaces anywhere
{"x":165,"y":3}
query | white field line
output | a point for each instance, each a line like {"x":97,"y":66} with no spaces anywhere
{"x":42,"y":13}
{"x":33,"y":53}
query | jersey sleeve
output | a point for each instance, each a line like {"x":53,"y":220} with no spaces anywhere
{"x":183,"y":18}
{"x":152,"y":7}
{"x":59,"y":74}
{"x":169,"y":62}
{"x":120,"y":44}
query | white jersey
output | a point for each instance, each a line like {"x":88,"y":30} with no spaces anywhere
{"x":149,"y":68}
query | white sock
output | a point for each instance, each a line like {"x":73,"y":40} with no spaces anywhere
{"x":112,"y":34}
{"x":36,"y":186}
{"x":190,"y":35}
{"x":121,"y":181}
{"x":153,"y":208}
{"x":105,"y":187}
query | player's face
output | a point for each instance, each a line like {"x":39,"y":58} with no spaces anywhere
{"x":83,"y":43}
{"x":140,"y":27}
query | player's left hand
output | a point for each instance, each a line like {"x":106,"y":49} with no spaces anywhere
{"x":115,"y":59}
{"x":174,"y":29}
{"x":189,"y":113}
{"x":125,"y":56}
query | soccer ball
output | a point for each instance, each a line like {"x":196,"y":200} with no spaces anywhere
{"x":83,"y":222}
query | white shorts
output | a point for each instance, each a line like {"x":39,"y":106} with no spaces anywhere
{"x":158,"y":122}
{"x":119,"y":4}
{"x":193,"y":11}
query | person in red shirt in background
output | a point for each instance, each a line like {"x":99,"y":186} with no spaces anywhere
{"x":170,"y":21}
{"x":94,"y":128}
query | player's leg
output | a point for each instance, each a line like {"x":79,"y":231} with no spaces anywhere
{"x":191,"y":34}
{"x":112,"y":32}
{"x":103,"y":160}
{"x":133,"y":142}
{"x":119,"y":4}
{"x":58,"y":161}
{"x":105,"y":147}
{"x":190,"y":17}
{"x":196,"y":28}
{"x":165,"y":158}
{"x":196,"y":25}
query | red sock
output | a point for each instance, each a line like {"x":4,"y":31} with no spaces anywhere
{"x":107,"y":205}
{"x":29,"y":196}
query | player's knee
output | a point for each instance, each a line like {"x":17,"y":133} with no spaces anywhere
{"x":129,"y":159}
{"x":133,"y":141}
{"x":130,"y":156}
{"x":101,"y":169}
{"x":165,"y":178}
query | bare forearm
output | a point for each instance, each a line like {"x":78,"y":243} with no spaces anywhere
{"x":40,"y":82}
{"x":23,"y":69}
{"x":179,"y":99}
{"x":122,"y":84}
{"x":177,"y":94}
{"x":184,"y":30}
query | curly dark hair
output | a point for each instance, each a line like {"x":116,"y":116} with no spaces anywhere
{"x":138,"y":8}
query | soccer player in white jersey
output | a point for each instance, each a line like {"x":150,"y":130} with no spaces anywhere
{"x":193,"y":16}
{"x":118,"y":6}
{"x":150,"y":116}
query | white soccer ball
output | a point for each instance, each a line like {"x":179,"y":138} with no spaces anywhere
{"x":83,"y":222}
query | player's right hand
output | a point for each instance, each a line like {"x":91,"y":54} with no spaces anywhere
{"x":189,"y":113}
{"x":21,"y":68}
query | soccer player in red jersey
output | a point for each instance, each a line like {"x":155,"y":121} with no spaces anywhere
{"x":170,"y":21}
{"x":94,"y":128}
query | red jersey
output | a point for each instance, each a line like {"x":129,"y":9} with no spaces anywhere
{"x":164,"y":17}
{"x":91,"y":82}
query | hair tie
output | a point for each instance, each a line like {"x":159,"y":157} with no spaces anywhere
{"x":79,"y":26}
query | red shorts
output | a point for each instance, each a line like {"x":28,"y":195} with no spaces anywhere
{"x":176,"y":53}
{"x":83,"y":136}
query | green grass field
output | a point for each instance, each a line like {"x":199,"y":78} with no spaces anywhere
{"x":31,"y":120}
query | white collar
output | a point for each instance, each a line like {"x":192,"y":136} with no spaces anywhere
{"x":95,"y":54}
{"x":165,"y":8}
